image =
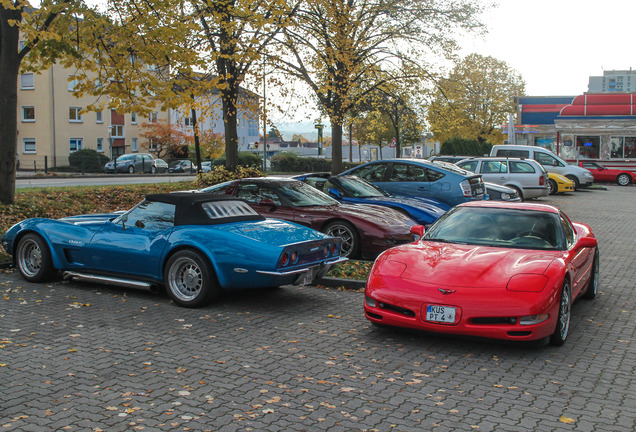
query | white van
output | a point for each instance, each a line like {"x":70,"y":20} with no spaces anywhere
{"x":551,"y":162}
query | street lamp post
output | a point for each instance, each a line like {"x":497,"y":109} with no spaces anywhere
{"x":110,"y":147}
{"x":319,"y":126}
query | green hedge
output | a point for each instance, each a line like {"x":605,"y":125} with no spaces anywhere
{"x":87,"y":160}
{"x":464,"y":147}
{"x":292,"y":163}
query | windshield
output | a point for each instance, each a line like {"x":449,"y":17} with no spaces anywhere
{"x":303,"y":195}
{"x":525,"y":229}
{"x":358,"y":188}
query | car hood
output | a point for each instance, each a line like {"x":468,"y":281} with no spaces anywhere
{"x":433,"y":209}
{"x":468,"y":266}
{"x":372,"y":213}
{"x":96,"y":218}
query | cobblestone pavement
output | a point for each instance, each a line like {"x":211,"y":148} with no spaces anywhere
{"x":81,"y":357}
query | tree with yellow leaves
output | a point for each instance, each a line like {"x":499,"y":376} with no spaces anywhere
{"x":475,"y":100}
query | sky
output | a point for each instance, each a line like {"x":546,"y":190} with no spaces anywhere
{"x":556,"y":45}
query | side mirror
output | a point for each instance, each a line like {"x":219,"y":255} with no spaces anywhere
{"x":334,"y":193}
{"x":417,"y":231}
{"x":268,"y":202}
{"x":588,"y":242}
{"x":124,"y":219}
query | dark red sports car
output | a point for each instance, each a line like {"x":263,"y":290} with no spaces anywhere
{"x":490,"y":269}
{"x":604,"y":174}
{"x":366,"y":230}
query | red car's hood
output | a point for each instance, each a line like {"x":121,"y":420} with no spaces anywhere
{"x":373,"y":213}
{"x":468,"y":266}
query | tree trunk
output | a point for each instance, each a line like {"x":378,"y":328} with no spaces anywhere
{"x":336,"y":147}
{"x":9,"y":66}
{"x":230,"y":96}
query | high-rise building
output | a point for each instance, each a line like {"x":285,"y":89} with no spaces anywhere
{"x":613,"y":81}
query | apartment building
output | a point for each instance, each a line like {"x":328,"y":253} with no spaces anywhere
{"x":613,"y":81}
{"x":53,"y":122}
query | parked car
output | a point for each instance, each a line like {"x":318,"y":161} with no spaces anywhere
{"x":603,"y":174}
{"x":354,"y":190}
{"x":182,"y":166}
{"x":418,"y":177}
{"x":196,"y":245}
{"x":559,"y":184}
{"x":551,"y":162}
{"x":490,"y":269}
{"x":526,"y":176}
{"x":162,"y":165}
{"x":447,"y":158}
{"x":365,"y":230}
{"x":206,"y":166}
{"x":135,"y":162}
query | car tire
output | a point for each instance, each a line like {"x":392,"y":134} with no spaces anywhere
{"x":519,"y":192}
{"x":623,"y":179}
{"x":563,"y":317}
{"x":131,"y":169}
{"x":190,"y":280}
{"x":349,"y":235}
{"x":553,"y":186}
{"x":575,"y":180}
{"x":592,"y":287}
{"x":33,"y":259}
{"x":153,"y":170}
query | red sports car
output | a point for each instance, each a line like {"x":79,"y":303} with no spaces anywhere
{"x":490,"y":269}
{"x":366,"y":230}
{"x":604,"y":174}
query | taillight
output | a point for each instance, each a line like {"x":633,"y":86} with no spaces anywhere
{"x":333,"y":249}
{"x":284,"y":260}
{"x":466,"y":190}
{"x":326,"y":250}
{"x":294,"y":257}
{"x":541,"y":180}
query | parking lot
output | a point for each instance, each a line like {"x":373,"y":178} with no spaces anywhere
{"x":83,"y":357}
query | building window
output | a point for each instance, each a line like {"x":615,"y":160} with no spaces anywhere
{"x":99,"y":115}
{"x":100,"y":145}
{"x":188,"y":121}
{"x":28,"y":145}
{"x":26,"y":81}
{"x":133,"y":117}
{"x":630,"y":147}
{"x":72,"y":83}
{"x":117,"y":131}
{"x":153,"y":117}
{"x":152,"y":145}
{"x":28,"y":114}
{"x":75,"y":144}
{"x":74,"y":114}
{"x":588,"y":146}
{"x":134,"y":144}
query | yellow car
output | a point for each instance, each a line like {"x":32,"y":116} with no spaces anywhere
{"x":559,"y":183}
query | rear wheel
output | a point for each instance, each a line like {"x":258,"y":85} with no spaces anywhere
{"x":592,"y":287}
{"x":563,"y":318}
{"x":623,"y":179}
{"x":190,"y":280}
{"x":553,"y":186}
{"x":348,"y":234}
{"x":33,"y":258}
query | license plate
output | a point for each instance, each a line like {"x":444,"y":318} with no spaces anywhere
{"x":444,"y":314}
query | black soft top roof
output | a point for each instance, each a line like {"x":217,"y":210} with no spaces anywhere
{"x":189,"y":208}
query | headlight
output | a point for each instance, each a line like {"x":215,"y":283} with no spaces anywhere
{"x":505,"y":196}
{"x":527,"y":282}
{"x":370,"y":301}
{"x":533,"y":319}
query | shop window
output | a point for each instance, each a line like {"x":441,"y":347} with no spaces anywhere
{"x":616,"y":147}
{"x":630,"y":147}
{"x":588,"y":146}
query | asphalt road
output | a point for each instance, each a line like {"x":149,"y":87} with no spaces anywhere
{"x":80,"y":357}
{"x":28,"y":181}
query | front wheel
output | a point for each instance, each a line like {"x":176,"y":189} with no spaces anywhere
{"x":553,"y":186}
{"x":592,"y":288}
{"x":348,"y":234}
{"x":623,"y":179}
{"x":131,"y":169}
{"x":189,"y":279}
{"x":575,"y":180}
{"x":33,"y":258}
{"x":563,"y":318}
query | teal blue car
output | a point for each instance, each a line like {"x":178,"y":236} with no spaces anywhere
{"x":195,"y":245}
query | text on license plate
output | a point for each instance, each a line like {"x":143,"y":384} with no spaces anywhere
{"x":443,"y":314}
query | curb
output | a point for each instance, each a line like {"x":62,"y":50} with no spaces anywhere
{"x":349,"y":284}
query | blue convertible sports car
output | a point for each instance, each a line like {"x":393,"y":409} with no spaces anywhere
{"x":196,"y":245}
